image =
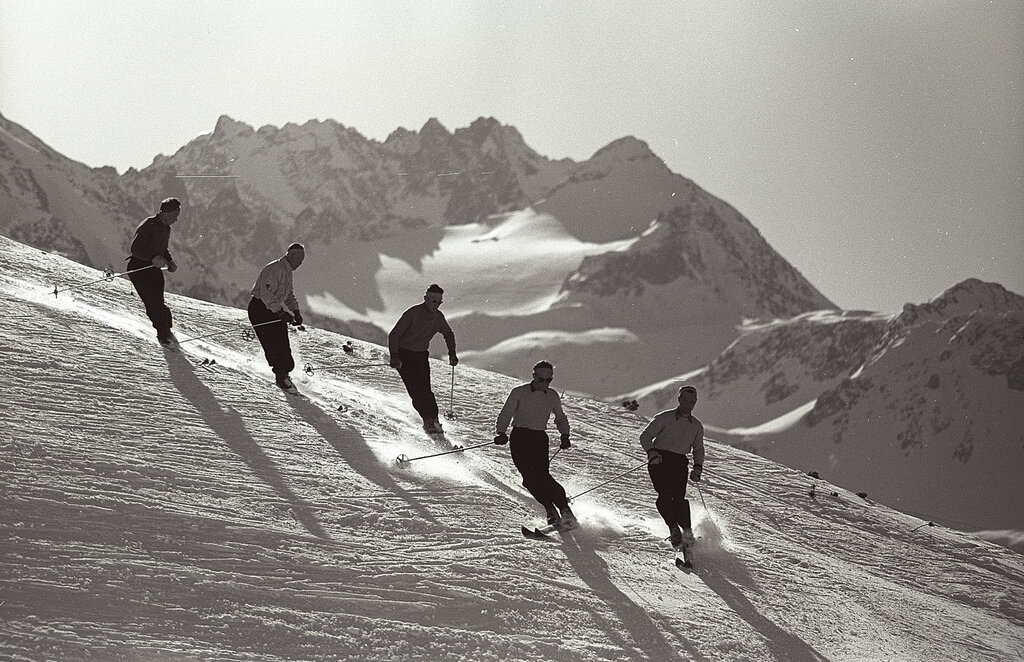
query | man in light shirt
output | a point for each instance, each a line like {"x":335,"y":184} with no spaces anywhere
{"x":409,"y":347}
{"x":528,"y":408}
{"x":667,"y":439}
{"x":272,"y":307}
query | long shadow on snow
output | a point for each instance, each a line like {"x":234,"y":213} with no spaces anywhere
{"x":724,"y":575}
{"x":230,"y":427}
{"x":352,"y":448}
{"x":645,"y":634}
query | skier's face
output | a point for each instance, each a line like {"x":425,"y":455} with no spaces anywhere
{"x":295,"y":258}
{"x":432,"y":300}
{"x":170,"y":217}
{"x":542,"y":377}
{"x":687,"y":400}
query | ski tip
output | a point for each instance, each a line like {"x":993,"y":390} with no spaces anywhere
{"x":683,"y":565}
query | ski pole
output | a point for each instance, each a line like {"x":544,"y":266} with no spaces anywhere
{"x":703,"y":503}
{"x":246,"y":333}
{"x":107,"y":275}
{"x":450,"y":414}
{"x":639,"y":466}
{"x":309,"y":369}
{"x":404,"y":459}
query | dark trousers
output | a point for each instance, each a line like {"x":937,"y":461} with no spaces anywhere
{"x":415,"y":372}
{"x":669,"y":480}
{"x":149,"y":284}
{"x":530,"y":455}
{"x":273,"y":337}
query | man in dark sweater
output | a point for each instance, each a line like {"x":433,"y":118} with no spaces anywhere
{"x":149,"y":257}
{"x":409,"y":345}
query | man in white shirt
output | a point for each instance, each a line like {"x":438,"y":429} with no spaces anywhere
{"x":667,"y":439}
{"x":528,"y":408}
{"x":273,"y":300}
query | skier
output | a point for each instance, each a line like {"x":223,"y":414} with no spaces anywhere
{"x":528,"y":408}
{"x":667,"y":439}
{"x":273,"y":300}
{"x":149,"y":249}
{"x":409,"y":347}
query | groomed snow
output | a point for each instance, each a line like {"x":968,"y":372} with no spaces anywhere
{"x":157,"y":506}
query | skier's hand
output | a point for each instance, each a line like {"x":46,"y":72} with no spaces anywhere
{"x":653,"y":457}
{"x":159,"y":262}
{"x":453,"y":360}
{"x":565,"y":442}
{"x":172,"y":267}
{"x":501,"y":438}
{"x":695,"y":474}
{"x":395,"y":363}
{"x":285,"y":316}
{"x":296,"y":317}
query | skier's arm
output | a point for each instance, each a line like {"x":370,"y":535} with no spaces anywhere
{"x":698,"y":447}
{"x":401,"y":326}
{"x":506,"y":413}
{"x":448,"y":335}
{"x":561,"y":421}
{"x":651,"y":432}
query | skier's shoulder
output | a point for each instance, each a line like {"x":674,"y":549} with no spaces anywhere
{"x":148,"y":224}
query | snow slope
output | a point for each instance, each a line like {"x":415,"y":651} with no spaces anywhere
{"x":176,"y":506}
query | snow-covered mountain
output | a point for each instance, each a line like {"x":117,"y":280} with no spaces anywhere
{"x":175,"y":505}
{"x":541,"y":258}
{"x":868,"y":400}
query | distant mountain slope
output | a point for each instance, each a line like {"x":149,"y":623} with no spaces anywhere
{"x":176,"y":505}
{"x":869,"y":401}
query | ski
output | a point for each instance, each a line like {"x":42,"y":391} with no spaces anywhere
{"x":685,"y":566}
{"x":542,"y":532}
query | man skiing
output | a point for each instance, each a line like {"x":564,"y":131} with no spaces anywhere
{"x":272,"y":307}
{"x":409,"y":347}
{"x":667,"y":439}
{"x":528,"y":408}
{"x":149,"y":257}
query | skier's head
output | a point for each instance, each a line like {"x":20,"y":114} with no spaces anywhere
{"x":687,"y":398}
{"x":295,"y":255}
{"x":434,"y":297}
{"x":169,"y":210}
{"x":543,"y":373}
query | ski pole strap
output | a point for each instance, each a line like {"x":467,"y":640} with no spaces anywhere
{"x":639,"y":466}
{"x":402,"y":459}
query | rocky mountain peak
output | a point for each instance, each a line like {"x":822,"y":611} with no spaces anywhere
{"x":227,"y":128}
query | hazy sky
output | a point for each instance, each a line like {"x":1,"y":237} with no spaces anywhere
{"x":878,"y":146}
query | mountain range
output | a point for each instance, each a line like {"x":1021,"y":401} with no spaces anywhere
{"x":629,"y":277}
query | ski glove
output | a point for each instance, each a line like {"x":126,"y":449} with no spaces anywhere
{"x":172,"y":267}
{"x":695,"y":474}
{"x":159,"y":261}
{"x":453,"y":360}
{"x":285,"y":316}
{"x":501,"y":438}
{"x":297,"y":317}
{"x":565,"y":442}
{"x":395,"y":363}
{"x":653,"y":457}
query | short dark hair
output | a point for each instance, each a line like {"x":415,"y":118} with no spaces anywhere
{"x":297,"y":247}
{"x":687,"y":387}
{"x":434,"y":287}
{"x":543,"y":364}
{"x":170,"y":204}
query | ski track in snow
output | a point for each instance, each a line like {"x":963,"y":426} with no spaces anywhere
{"x":157,"y":506}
